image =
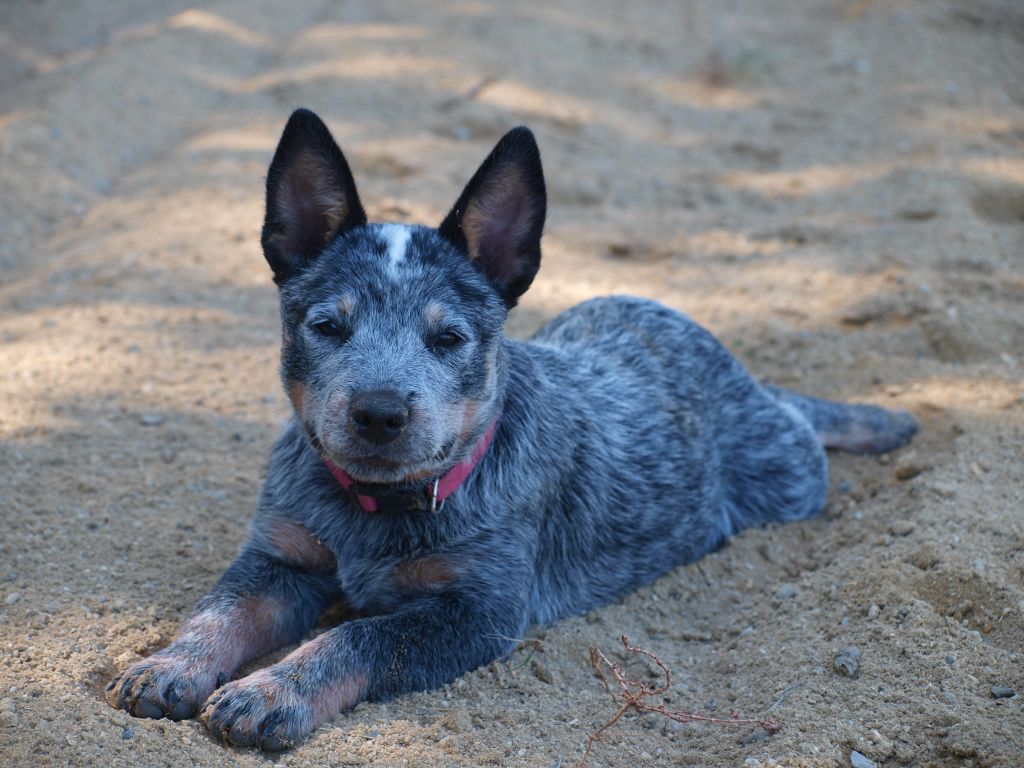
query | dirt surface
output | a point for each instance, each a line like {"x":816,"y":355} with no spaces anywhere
{"x":835,"y":188}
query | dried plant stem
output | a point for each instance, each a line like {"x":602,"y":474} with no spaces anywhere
{"x":632,"y":694}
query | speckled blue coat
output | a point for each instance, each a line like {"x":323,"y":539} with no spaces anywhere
{"x":628,"y":441}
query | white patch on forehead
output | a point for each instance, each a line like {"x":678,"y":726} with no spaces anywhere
{"x":397,"y":237}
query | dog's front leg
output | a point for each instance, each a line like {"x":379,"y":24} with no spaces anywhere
{"x":263,"y":601}
{"x":425,"y":644}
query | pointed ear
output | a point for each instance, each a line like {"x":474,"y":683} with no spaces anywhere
{"x":311,"y":196}
{"x":499,"y":218}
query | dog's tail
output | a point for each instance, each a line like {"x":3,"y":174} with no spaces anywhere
{"x":853,"y":428}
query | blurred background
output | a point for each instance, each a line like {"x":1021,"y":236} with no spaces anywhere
{"x":834,"y":187}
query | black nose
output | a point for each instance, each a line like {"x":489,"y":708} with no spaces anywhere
{"x":378,"y":416}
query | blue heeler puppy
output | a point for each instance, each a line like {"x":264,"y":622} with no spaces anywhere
{"x":451,"y":486}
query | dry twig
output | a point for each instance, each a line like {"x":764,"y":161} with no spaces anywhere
{"x":633,"y":694}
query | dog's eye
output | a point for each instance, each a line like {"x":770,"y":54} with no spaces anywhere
{"x":444,"y":340}
{"x":327,"y":328}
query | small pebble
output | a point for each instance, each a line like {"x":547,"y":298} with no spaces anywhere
{"x":919,"y":212}
{"x":908,"y":470}
{"x":1002,"y":692}
{"x":847,"y":661}
{"x":785,"y":592}
{"x":646,"y":756}
{"x":857,"y":760}
{"x":950,"y":659}
{"x":873,"y":612}
{"x":12,"y":598}
{"x":758,"y":735}
{"x":902,"y":527}
{"x":152,"y":419}
{"x":127,"y":733}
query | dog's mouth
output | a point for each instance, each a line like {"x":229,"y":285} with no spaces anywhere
{"x":379,"y":468}
{"x":379,"y":462}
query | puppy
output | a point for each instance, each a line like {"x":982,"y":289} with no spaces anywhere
{"x":452,"y":486}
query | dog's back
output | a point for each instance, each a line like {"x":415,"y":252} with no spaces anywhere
{"x":634,"y":442}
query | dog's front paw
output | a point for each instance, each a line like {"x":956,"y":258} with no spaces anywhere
{"x":167,"y":684}
{"x":262,"y":710}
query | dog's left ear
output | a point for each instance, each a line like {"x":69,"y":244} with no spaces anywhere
{"x":499,"y":218}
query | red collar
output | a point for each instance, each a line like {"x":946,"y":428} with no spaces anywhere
{"x":433,"y":496}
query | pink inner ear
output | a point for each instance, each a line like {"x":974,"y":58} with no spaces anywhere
{"x":497,"y":223}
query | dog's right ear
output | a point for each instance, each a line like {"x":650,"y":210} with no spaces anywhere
{"x":311,"y":196}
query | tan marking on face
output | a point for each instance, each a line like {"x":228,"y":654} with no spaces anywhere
{"x":346,"y":304}
{"x":300,"y":548}
{"x":297,"y":394}
{"x":470,"y":410}
{"x":423,"y":573}
{"x":434,"y":313}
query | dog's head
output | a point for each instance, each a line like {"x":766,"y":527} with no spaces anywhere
{"x":392,"y":333}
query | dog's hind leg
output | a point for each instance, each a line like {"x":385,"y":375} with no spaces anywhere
{"x":774,"y":467}
{"x":865,"y":429}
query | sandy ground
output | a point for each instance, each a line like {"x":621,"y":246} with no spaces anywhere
{"x":835,"y":187}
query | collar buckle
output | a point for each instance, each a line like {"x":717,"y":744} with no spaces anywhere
{"x":435,"y":508}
